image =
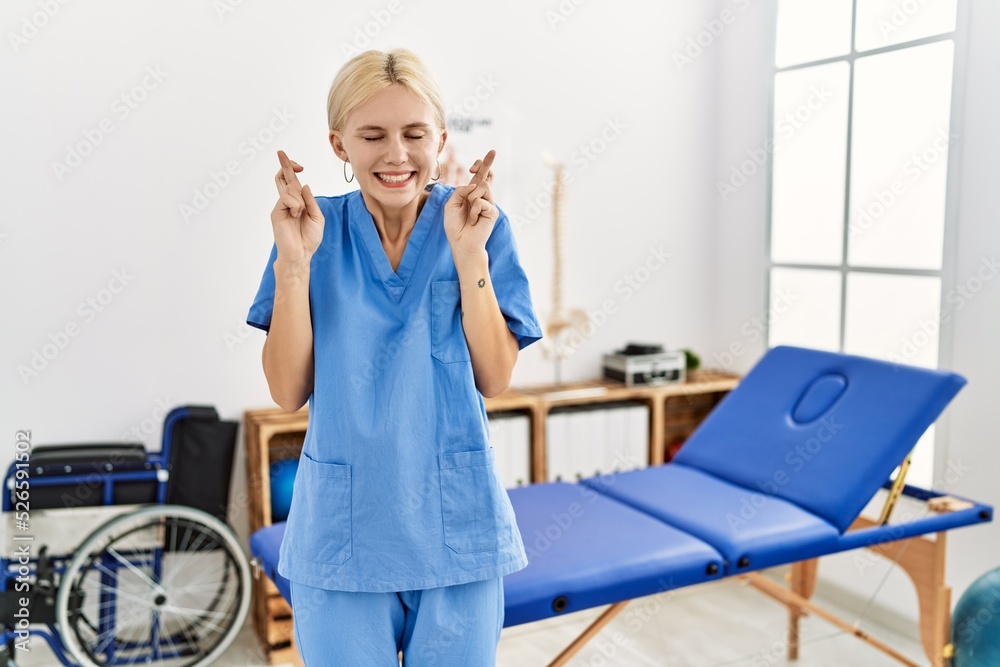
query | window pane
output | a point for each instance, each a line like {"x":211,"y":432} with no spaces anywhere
{"x":899,"y":157}
{"x":893,"y":317}
{"x":805,"y":308}
{"x":896,"y":318}
{"x":885,"y":22}
{"x":809,"y":167}
{"x":922,"y":467}
{"x":809,"y":30}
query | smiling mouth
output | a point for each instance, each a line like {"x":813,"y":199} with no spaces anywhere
{"x":395,"y":178}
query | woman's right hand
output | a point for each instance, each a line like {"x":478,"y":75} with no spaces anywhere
{"x":296,"y":218}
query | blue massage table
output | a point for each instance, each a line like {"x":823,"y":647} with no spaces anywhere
{"x":778,"y":473}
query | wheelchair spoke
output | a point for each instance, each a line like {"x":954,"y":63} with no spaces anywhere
{"x":199,"y":581}
{"x":134,"y":569}
{"x":167,"y":585}
{"x":186,"y":612}
{"x":193,"y":547}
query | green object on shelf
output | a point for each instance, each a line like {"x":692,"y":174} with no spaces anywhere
{"x":691,"y":360}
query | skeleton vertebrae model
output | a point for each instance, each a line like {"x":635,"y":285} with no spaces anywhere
{"x":560,"y":324}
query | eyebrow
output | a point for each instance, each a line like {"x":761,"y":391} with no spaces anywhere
{"x":409,"y":126}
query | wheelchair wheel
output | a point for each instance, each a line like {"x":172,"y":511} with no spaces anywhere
{"x":166,"y":585}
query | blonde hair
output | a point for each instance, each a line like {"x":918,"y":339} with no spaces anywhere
{"x":369,"y":73}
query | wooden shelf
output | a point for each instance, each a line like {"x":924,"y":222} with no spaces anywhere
{"x":675,"y":410}
{"x":272,"y":433}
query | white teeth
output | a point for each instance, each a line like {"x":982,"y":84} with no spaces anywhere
{"x":394,"y":179}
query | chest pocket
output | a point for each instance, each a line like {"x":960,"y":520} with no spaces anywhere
{"x":321,"y":507}
{"x":473,"y":502}
{"x":447,"y":336}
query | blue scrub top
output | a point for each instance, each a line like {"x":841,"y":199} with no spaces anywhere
{"x":396,"y":487}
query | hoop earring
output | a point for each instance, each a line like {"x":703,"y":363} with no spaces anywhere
{"x":439,"y":172}
{"x":345,"y":173}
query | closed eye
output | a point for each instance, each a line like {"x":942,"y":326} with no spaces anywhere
{"x":380,"y":138}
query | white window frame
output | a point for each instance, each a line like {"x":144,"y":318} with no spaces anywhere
{"x":948,"y":272}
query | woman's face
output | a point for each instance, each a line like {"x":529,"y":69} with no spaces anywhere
{"x":392,"y":143}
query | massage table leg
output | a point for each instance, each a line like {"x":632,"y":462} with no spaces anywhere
{"x":589,"y":633}
{"x":923,"y":560}
{"x":802,"y":580}
{"x":790,"y":598}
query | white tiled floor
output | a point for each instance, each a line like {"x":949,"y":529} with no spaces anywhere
{"x":713,"y":625}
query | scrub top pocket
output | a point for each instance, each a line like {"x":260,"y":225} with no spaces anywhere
{"x":448,"y":343}
{"x":472,"y":502}
{"x":323,"y":514}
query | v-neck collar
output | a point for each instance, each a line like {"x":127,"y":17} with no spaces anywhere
{"x":395,"y":282}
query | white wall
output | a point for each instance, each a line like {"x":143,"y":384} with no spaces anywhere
{"x":175,"y":334}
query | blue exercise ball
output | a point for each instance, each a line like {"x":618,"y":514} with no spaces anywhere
{"x":282,"y":480}
{"x":975,"y":624}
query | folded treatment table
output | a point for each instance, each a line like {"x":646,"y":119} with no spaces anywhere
{"x":778,"y":473}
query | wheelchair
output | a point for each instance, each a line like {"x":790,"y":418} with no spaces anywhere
{"x":116,"y":556}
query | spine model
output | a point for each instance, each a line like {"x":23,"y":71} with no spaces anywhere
{"x":559,"y":341}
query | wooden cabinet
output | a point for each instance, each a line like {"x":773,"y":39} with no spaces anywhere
{"x":674,"y":412}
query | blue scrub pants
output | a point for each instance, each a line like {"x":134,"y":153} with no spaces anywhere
{"x":449,"y":626}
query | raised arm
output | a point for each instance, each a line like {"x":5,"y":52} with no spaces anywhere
{"x":288,"y":349}
{"x":470,"y":216}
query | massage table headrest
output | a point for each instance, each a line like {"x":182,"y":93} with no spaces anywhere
{"x":823,"y":430}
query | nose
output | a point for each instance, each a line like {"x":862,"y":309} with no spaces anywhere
{"x":395,"y":151}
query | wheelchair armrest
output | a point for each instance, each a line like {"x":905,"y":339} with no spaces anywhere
{"x":95,"y":454}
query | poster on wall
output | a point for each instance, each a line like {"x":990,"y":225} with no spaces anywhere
{"x":470,"y":136}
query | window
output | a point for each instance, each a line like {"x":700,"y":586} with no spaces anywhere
{"x":858,"y":225}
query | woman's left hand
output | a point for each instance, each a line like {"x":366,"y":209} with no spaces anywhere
{"x":469,"y":214}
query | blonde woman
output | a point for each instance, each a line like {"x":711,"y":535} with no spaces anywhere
{"x":395,"y":309}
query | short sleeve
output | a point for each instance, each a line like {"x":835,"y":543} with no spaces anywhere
{"x":263,"y":304}
{"x":510,"y":284}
